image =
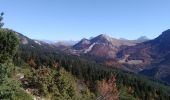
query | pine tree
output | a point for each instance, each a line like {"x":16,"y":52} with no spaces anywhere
{"x":8,"y":47}
{"x":1,"y":18}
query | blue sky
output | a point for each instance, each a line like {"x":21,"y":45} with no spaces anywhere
{"x":75,"y":19}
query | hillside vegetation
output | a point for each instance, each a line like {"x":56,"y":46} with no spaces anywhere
{"x":90,"y":76}
{"x":9,"y":86}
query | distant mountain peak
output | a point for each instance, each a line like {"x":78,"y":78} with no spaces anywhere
{"x":142,"y":39}
{"x":102,"y":38}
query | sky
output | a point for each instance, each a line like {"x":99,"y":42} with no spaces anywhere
{"x":77,"y":19}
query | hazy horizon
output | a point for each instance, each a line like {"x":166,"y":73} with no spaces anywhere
{"x":75,"y":19}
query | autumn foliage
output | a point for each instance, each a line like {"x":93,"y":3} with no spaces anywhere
{"x":107,"y":89}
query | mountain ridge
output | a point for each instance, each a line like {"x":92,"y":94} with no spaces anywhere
{"x":145,"y":57}
{"x":154,"y":55}
{"x":101,"y":45}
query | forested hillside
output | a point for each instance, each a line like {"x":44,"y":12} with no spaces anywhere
{"x":44,"y":65}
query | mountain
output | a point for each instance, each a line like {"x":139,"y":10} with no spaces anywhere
{"x":151,"y":58}
{"x":102,"y":49}
{"x":32,"y":43}
{"x":101,"y":46}
{"x":59,"y":45}
{"x":144,"y":56}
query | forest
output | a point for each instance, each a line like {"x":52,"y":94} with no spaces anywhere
{"x":128,"y":85}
